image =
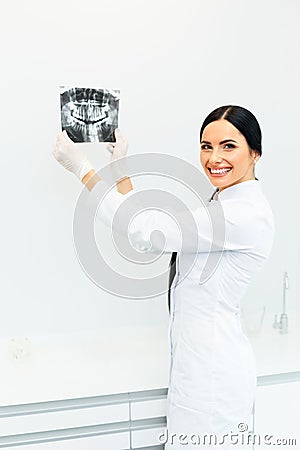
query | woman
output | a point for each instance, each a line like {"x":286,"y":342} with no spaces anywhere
{"x":212,"y":375}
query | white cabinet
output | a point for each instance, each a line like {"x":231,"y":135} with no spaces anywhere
{"x":149,"y":408}
{"x":59,"y":420}
{"x":147,"y":438}
{"x":135,"y":420}
{"x":110,"y":442}
{"x":116,"y":421}
{"x":145,"y":410}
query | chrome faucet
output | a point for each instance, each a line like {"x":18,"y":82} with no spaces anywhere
{"x":282,"y":324}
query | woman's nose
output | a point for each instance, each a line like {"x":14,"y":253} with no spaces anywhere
{"x":215,"y":157}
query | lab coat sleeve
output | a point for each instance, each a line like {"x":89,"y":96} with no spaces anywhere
{"x":204,"y":229}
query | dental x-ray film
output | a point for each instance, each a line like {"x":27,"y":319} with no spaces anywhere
{"x":89,"y":114}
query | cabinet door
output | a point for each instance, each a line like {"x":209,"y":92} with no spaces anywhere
{"x":277,"y":412}
{"x":120,"y":441}
{"x":32,"y":423}
{"x":145,"y":410}
{"x":149,"y":408}
{"x":146,"y":438}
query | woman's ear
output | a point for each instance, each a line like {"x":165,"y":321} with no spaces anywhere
{"x":255,"y":156}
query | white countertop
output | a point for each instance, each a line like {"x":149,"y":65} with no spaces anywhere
{"x":83,"y":365}
{"x":90,"y":364}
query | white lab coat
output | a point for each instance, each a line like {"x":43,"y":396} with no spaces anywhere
{"x":212,"y":379}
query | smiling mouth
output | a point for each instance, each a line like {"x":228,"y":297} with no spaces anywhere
{"x":219,"y":172}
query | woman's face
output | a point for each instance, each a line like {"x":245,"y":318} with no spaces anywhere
{"x":235,"y":154}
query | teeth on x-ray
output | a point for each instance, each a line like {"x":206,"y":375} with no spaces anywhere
{"x":88,"y":114}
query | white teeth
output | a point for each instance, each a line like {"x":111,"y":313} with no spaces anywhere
{"x":219,"y":170}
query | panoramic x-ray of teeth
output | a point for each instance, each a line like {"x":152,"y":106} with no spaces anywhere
{"x":89,"y":114}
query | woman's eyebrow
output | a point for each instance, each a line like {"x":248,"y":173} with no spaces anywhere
{"x":222,"y":142}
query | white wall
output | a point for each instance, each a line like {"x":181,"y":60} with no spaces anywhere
{"x":173,"y":62}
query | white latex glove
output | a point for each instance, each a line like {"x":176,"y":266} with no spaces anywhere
{"x":67,"y":153}
{"x":119,"y":148}
{"x":118,"y":151}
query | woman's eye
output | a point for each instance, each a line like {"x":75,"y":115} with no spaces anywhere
{"x":226,"y":147}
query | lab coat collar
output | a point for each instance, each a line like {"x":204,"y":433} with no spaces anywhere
{"x":238,"y":189}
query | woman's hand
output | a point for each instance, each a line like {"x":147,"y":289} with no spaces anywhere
{"x":70,"y":156}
